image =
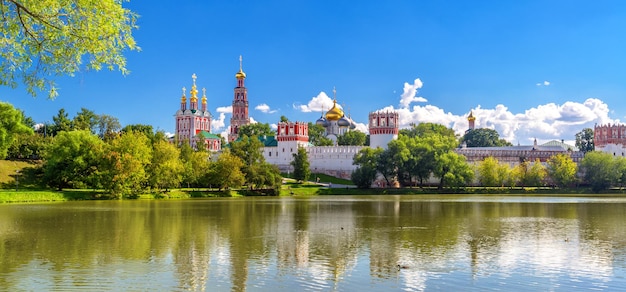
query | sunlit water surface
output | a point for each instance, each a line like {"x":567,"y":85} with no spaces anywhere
{"x":355,"y":243}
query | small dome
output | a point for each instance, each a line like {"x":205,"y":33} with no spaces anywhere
{"x":240,"y":75}
{"x":471,"y":117}
{"x":352,"y":125}
{"x":322,"y":121}
{"x":344,"y":122}
{"x":335,"y":113}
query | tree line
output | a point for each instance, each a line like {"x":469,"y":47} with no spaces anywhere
{"x":92,"y":151}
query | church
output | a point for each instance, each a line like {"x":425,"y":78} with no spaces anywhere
{"x":193,"y":125}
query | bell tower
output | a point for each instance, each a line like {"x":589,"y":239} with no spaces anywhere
{"x":240,"y":105}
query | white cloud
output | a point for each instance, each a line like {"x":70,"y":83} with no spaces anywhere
{"x":318,"y":103}
{"x":409,"y":94}
{"x":219,"y":123}
{"x":225,"y":133}
{"x":273,"y":126}
{"x":545,"y":83}
{"x":225,"y":109}
{"x":545,"y":122}
{"x":264,"y":108}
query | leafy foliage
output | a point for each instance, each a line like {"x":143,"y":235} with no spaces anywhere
{"x":73,"y":160}
{"x":483,"y":137}
{"x":316,"y":135}
{"x":125,"y":164}
{"x":11,"y":125}
{"x":256,"y":129}
{"x":300,"y":163}
{"x":353,"y":138}
{"x":584,"y":140}
{"x":562,"y":170}
{"x":599,"y":170}
{"x":41,"y":39}
{"x":165,"y":169}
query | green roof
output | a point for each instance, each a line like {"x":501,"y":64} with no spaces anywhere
{"x":268,"y":141}
{"x":207,"y":135}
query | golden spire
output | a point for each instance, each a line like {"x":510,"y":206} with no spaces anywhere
{"x":240,"y":74}
{"x":183,"y":98}
{"x":204,"y":96}
{"x":194,"y":89}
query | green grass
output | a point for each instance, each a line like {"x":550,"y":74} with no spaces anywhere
{"x":324,"y":178}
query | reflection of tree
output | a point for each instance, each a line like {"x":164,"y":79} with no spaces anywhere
{"x":236,"y":241}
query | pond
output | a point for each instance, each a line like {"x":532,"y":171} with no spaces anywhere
{"x":339,"y":243}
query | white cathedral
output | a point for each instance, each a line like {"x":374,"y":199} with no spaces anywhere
{"x":194,"y":125}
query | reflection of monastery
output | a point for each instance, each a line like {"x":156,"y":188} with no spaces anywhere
{"x":193,"y":125}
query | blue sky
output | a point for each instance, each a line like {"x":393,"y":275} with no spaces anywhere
{"x":529,"y":69}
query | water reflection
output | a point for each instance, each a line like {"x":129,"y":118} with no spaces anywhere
{"x":322,"y":243}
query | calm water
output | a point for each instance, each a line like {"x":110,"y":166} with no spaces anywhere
{"x":448,"y":243}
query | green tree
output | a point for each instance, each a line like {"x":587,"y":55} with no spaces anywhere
{"x":61,"y":123}
{"x":200,"y":169}
{"x":85,"y":120}
{"x":452,"y":170}
{"x":28,"y":146}
{"x":490,"y":172}
{"x":73,"y":160}
{"x":562,"y":170}
{"x":354,"y":138}
{"x":599,"y":170}
{"x":427,"y":129}
{"x":11,"y":125}
{"x":483,"y":137}
{"x":145,"y":129}
{"x":256,"y":129}
{"x":186,"y":156}
{"x":529,"y":174}
{"x":283,"y":119}
{"x":584,"y":140}
{"x":300,"y":163}
{"x":125,"y":164}
{"x":363,"y":177}
{"x":316,"y":135}
{"x":367,"y":159}
{"x":165,"y":169}
{"x":226,"y":171}
{"x":108,"y":127}
{"x":248,"y":149}
{"x":42,"y":39}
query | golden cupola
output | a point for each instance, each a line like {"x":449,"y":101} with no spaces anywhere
{"x":335,"y":113}
{"x":471,"y":117}
{"x":240,"y":74}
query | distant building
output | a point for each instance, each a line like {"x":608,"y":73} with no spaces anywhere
{"x":610,"y":139}
{"x":514,"y":155}
{"x":193,"y":124}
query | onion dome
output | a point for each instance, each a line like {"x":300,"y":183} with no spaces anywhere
{"x":335,"y":113}
{"x":352,"y":125}
{"x":343,"y":122}
{"x":471,"y":117}
{"x":240,"y":74}
{"x":322,"y":122}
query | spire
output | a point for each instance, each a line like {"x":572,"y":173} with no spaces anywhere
{"x":240,"y":74}
{"x":204,"y":99}
{"x":334,"y":94}
{"x":194,"y":95}
{"x":183,"y":100}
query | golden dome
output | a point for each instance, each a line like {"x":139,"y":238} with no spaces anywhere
{"x":471,"y":117}
{"x":335,"y":113}
{"x":240,"y":74}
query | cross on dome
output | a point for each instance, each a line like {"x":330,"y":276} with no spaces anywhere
{"x":193,"y":76}
{"x":184,"y":89}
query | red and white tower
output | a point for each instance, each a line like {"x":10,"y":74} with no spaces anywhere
{"x":240,"y":105}
{"x":383,"y":128}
